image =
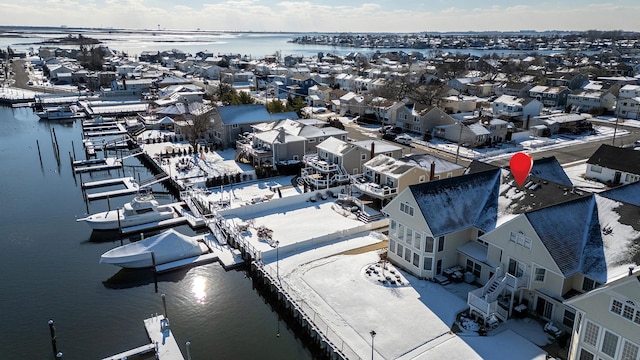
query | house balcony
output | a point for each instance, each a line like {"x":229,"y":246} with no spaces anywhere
{"x":322,"y":181}
{"x":253,"y":150}
{"x":364,"y":185}
{"x":320,"y":165}
{"x":497,"y":296}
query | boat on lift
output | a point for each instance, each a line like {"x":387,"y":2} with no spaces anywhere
{"x":143,"y":209}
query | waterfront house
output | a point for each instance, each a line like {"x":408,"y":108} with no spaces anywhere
{"x":384,"y":177}
{"x":531,"y":248}
{"x":232,"y":120}
{"x":336,"y":159}
{"x":607,"y":319}
{"x":614,"y":165}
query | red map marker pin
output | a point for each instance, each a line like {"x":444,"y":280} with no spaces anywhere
{"x":521,"y":164}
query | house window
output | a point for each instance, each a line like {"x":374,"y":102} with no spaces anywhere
{"x":428,"y":245}
{"x":409,"y":235}
{"x":422,"y":178}
{"x":392,"y":225}
{"x":520,"y":239}
{"x":400,"y":232}
{"x":540,"y":274}
{"x":629,"y":351}
{"x":628,"y":311}
{"x":440,"y":243}
{"x":474,"y":267}
{"x":234,"y":126}
{"x":609,"y":344}
{"x":428,"y":263}
{"x":596,"y":168}
{"x":585,"y":355}
{"x":416,"y":259}
{"x":407,"y":255}
{"x":568,"y":318}
{"x":616,"y":307}
{"x":588,"y":284}
{"x":417,"y":240}
{"x":363,"y":156}
{"x":399,"y":250}
{"x":406,"y":208}
{"x":591,"y":333}
{"x":392,"y":245}
{"x":312,"y":140}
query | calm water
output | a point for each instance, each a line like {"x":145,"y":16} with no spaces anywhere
{"x":256,"y":45}
{"x":51,"y":271}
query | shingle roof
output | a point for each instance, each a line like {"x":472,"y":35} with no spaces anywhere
{"x":629,"y":194}
{"x":549,"y":168}
{"x":571,"y":233}
{"x":461,"y":202}
{"x":616,"y":158}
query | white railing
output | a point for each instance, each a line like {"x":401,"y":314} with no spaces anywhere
{"x":486,"y":308}
{"x":517,"y":283}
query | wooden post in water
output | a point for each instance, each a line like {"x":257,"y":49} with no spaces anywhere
{"x":52,"y":330}
{"x":39,"y":154}
{"x":74,"y":149}
{"x":188,"y":350}
{"x":164,"y":302}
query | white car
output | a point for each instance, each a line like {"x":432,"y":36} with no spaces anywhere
{"x":404,"y":140}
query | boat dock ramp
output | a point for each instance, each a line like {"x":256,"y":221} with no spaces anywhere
{"x":163,"y":343}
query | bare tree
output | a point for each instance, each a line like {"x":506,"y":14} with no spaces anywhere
{"x":197,"y":125}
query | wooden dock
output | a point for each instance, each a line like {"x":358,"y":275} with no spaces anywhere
{"x":227,"y":256}
{"x":82,"y":166}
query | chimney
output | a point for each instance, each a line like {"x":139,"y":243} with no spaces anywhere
{"x":373,"y":150}
{"x":281,"y":135}
{"x":432,"y":171}
{"x":631,"y":270}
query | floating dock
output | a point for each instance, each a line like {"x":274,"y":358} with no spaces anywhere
{"x":96,"y":165}
{"x":162,"y":342}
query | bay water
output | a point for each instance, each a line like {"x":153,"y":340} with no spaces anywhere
{"x":50,"y":267}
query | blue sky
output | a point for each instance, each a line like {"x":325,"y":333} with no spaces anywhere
{"x":327,"y":15}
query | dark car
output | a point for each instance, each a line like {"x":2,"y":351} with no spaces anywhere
{"x":389,"y":136}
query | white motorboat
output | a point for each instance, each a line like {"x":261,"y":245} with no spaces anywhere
{"x":61,"y":113}
{"x":143,"y":209}
{"x":166,"y":247}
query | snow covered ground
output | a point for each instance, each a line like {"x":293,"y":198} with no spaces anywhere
{"x":412,"y":320}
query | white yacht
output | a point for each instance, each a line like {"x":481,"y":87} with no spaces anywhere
{"x":142,"y":209}
{"x":61,"y":113}
{"x":167,"y":246}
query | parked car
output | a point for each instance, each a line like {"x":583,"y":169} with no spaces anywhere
{"x":389,"y":136}
{"x":404,"y":139}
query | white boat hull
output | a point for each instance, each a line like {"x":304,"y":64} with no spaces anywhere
{"x":108,"y":220}
{"x":166,"y":247}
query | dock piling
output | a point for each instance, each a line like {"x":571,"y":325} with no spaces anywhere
{"x":52,"y":331}
{"x":39,"y":154}
{"x":164,"y":302}
{"x":188,"y":350}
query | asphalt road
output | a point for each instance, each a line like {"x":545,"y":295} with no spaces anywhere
{"x":567,"y":154}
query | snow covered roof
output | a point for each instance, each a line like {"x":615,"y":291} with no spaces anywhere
{"x":425,"y":160}
{"x":381,"y":147}
{"x":469,"y":200}
{"x":387,"y":165}
{"x":248,"y":114}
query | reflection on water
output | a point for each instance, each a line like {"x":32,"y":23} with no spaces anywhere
{"x":199,"y":289}
{"x":130,"y":278}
